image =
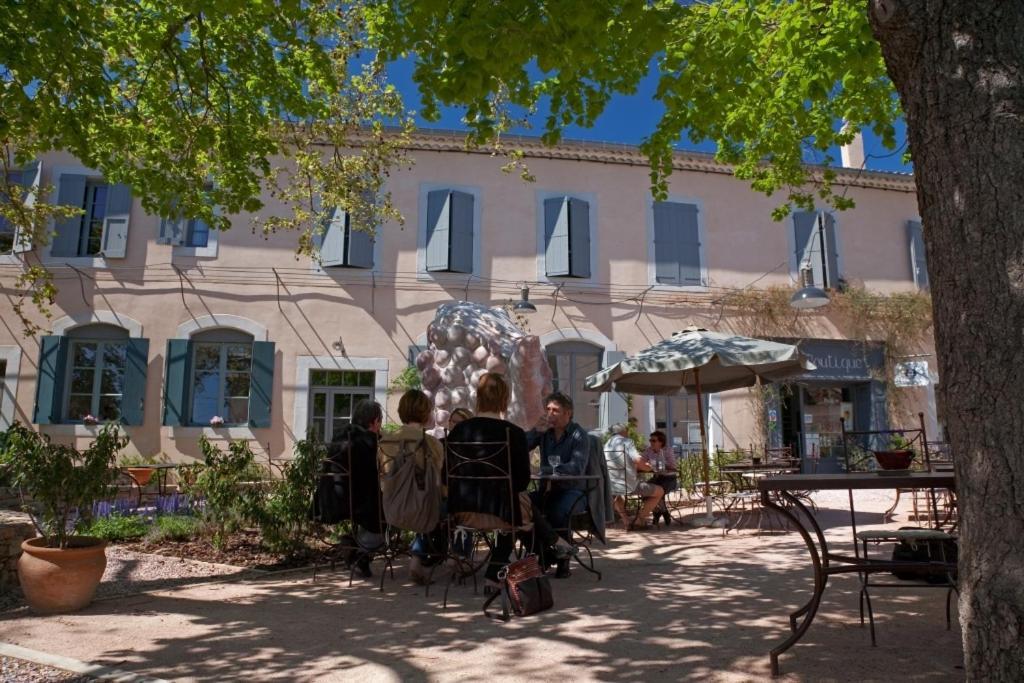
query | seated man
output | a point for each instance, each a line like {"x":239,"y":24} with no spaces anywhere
{"x":562,"y":439}
{"x":623,"y":463}
{"x":361,"y":437}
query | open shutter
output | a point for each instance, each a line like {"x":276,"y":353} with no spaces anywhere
{"x":831,"y":278}
{"x":133,"y":398}
{"x":613,"y":404}
{"x":261,"y":386}
{"x":13,"y":178}
{"x":438,"y":229}
{"x":115,"y":224}
{"x":332,"y":243}
{"x":461,"y":253}
{"x":30,"y":177}
{"x":556,"y":236}
{"x":918,"y":264}
{"x":53,"y":357}
{"x":176,"y":382}
{"x":805,"y":239}
{"x":360,"y":248}
{"x":689,"y":246}
{"x":579,"y":238}
{"x":173,"y":230}
{"x":70,"y":193}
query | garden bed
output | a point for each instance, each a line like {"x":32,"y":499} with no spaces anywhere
{"x":239,"y":549}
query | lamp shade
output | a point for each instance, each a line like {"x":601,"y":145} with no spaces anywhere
{"x":524,"y":305}
{"x":809,"y":297}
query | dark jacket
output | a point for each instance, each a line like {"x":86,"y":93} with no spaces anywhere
{"x":488,"y":496}
{"x":332,"y":503}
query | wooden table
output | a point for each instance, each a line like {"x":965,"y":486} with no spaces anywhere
{"x":825,"y":562}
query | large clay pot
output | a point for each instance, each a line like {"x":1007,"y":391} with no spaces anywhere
{"x":58,"y":580}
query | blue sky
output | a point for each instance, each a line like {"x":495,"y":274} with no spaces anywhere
{"x":627,"y":119}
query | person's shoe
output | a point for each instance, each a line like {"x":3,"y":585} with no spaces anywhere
{"x":564,"y":550}
{"x":562,"y":572}
{"x":363,"y":567}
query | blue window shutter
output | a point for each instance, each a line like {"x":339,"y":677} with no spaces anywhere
{"x":918,"y":264}
{"x":115,"y":224}
{"x":53,"y":358}
{"x":556,"y":236}
{"x":136,"y":363}
{"x":176,"y":382}
{"x":461,"y":254}
{"x":70,"y":193}
{"x":172,"y":229}
{"x":613,"y":404}
{"x":689,"y":246}
{"x":805,"y":240}
{"x":414,"y":351}
{"x":832,"y":251}
{"x":360,"y":248}
{"x":261,"y":385}
{"x":30,"y":177}
{"x":579,"y":238}
{"x":438,"y":229}
{"x":14,"y":178}
{"x":332,"y":242}
{"x":667,"y":245}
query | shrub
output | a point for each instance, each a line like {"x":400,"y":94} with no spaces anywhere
{"x":230,"y":500}
{"x":117,"y":528}
{"x":285,"y":523}
{"x":173,"y":528}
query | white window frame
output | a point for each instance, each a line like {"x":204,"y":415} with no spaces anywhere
{"x":652,"y":263}
{"x":209,"y":251}
{"x":342,"y":273}
{"x":302,"y":396}
{"x":421,"y":239}
{"x":9,"y":397}
{"x":92,"y":175}
{"x":542,"y":269}
{"x":794,"y":267}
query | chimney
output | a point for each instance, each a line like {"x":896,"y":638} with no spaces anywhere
{"x":852,"y":154}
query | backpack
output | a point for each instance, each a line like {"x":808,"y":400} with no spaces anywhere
{"x":411,"y":488}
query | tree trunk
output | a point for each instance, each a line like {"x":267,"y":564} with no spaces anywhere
{"x":958,"y":67}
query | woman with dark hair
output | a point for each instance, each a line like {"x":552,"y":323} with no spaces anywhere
{"x":662,"y":461}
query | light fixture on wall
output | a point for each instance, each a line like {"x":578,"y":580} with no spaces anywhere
{"x":339,"y":346}
{"x":809,"y":295}
{"x":523,"y":305}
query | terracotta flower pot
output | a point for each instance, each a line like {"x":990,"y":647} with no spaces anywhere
{"x":141,"y":475}
{"x":58,"y":580}
{"x":894,"y":460}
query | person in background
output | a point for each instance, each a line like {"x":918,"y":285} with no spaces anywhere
{"x":414,"y":410}
{"x":662,"y":461}
{"x":458,"y":415}
{"x":564,"y":449}
{"x":623,"y":463}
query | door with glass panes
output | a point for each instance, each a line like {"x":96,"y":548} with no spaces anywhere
{"x":333,"y":398}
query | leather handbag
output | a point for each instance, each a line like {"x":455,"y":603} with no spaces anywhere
{"x":525,"y":589}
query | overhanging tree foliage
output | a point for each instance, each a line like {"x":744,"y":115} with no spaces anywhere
{"x":194,"y":105}
{"x":767,"y":81}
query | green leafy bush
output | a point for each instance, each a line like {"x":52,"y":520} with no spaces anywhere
{"x":174,"y":528}
{"x":285,"y":523}
{"x":117,"y":528}
{"x":232,"y":486}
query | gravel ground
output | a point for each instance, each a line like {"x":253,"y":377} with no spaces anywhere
{"x":133,"y":572}
{"x":20,"y":671}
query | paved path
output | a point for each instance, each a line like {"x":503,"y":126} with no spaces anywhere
{"x":678,"y":604}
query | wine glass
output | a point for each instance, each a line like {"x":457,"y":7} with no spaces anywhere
{"x":554,"y":461}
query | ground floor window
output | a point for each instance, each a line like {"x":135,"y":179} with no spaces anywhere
{"x":677,"y":416}
{"x":333,"y":397}
{"x":571,"y":363}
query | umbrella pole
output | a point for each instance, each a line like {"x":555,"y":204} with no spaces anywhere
{"x":703,"y":445}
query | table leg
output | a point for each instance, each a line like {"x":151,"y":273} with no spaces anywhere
{"x":819,"y":560}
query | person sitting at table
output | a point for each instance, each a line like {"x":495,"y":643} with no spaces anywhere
{"x":484,"y":504}
{"x":559,"y":437}
{"x":414,"y":410}
{"x":623,"y":463}
{"x":662,"y":461}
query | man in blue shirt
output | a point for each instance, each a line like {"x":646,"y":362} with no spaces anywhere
{"x":559,"y":437}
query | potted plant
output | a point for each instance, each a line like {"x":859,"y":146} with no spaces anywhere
{"x":138,"y":467}
{"x":58,"y":570}
{"x":897,"y":456}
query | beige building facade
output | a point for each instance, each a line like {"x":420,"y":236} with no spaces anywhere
{"x":171,"y":326}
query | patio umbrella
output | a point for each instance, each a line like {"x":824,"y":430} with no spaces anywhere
{"x":700,"y":361}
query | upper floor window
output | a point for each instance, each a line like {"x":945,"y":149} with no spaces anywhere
{"x":450,"y":231}
{"x":189,"y":233}
{"x":102,"y":227}
{"x":343,"y":244}
{"x":814,"y":234}
{"x":27,"y":179}
{"x":567,"y":237}
{"x":918,"y":263}
{"x":678,"y":254}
